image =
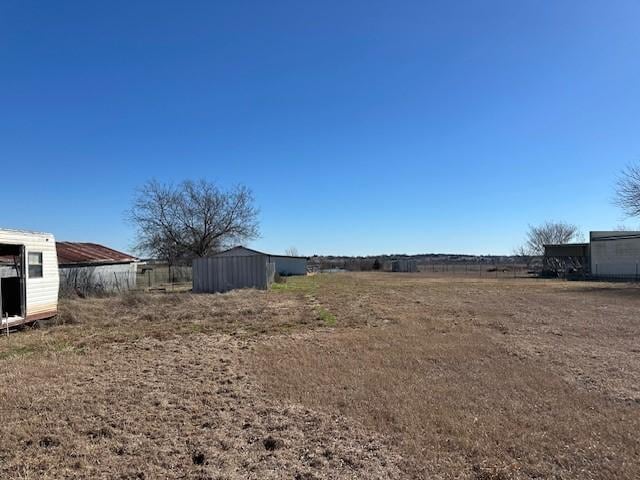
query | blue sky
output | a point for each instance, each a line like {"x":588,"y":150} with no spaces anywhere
{"x":362,"y":127}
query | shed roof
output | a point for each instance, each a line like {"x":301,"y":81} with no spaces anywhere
{"x":613,"y":235}
{"x":257,"y":252}
{"x":71,"y":253}
{"x":566,"y":250}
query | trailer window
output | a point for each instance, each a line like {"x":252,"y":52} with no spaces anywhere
{"x":35,"y":264}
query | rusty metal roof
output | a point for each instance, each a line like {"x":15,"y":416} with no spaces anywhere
{"x":70,"y":253}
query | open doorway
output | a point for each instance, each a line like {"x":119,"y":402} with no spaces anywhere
{"x":12,"y":281}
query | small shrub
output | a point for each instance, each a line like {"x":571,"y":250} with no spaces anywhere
{"x":327,"y":317}
{"x":198,"y":458}
{"x":271,"y":443}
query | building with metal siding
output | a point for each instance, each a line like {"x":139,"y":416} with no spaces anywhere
{"x":90,"y":267}
{"x":615,"y":254}
{"x":404,"y":265}
{"x":227,"y":272}
{"x":608,"y":255}
{"x":565,"y":259}
{"x":284,"y":264}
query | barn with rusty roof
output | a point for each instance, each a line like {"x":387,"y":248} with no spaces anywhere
{"x":87,"y":268}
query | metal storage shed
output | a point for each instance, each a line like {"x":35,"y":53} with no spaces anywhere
{"x":223,"y":273}
{"x":404,"y":265}
{"x":284,"y":264}
{"x":615,"y":254}
{"x":566,"y":258}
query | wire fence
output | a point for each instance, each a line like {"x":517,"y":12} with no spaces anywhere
{"x":478,"y":270}
{"x":163,"y":277}
{"x":94,"y":281}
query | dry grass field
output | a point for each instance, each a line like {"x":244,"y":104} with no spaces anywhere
{"x":368,"y":375}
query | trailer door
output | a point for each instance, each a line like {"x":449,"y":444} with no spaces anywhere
{"x":23,"y":281}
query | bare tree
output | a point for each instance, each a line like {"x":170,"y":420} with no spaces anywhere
{"x":549,"y":233}
{"x":292,"y":252}
{"x":628,"y":190}
{"x":191,"y":219}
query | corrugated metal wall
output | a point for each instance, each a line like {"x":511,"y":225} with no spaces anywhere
{"x":98,"y":278}
{"x":404,"y":265}
{"x":615,"y":255}
{"x":221,"y":274}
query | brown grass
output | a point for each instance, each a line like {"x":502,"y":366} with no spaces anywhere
{"x":156,"y":386}
{"x":332,"y":376}
{"x":477,"y":378}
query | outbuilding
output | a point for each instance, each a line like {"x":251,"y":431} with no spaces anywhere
{"x":404,"y":265}
{"x":285,"y":265}
{"x":615,"y":254}
{"x":222,"y":273}
{"x":92,"y":268}
{"x":565,"y":259}
{"x":29,"y":278}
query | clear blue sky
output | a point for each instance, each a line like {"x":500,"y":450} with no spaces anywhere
{"x":362,"y":127}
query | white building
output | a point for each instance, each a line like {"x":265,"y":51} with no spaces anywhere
{"x":285,"y":264}
{"x":615,"y":254}
{"x":29,"y":279}
{"x":92,"y":268}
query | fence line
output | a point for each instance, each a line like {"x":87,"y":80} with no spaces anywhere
{"x":477,"y":270}
{"x":163,"y":275}
{"x":87,"y":281}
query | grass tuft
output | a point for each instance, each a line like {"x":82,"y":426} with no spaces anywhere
{"x":327,"y":317}
{"x":13,"y":351}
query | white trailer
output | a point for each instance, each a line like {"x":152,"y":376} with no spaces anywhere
{"x":29,"y":278}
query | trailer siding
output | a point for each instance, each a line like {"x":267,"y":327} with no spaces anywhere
{"x":41,"y":293}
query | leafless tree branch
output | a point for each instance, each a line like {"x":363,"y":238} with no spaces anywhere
{"x":628,"y":190}
{"x":191,"y":219}
{"x":549,"y":233}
